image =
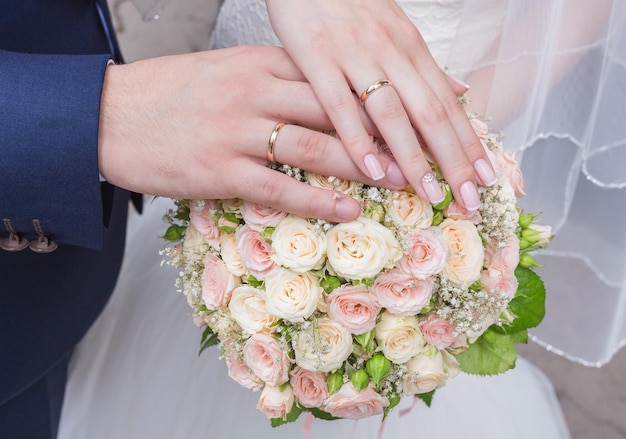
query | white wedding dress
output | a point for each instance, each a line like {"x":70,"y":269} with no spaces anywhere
{"x":137,"y":373}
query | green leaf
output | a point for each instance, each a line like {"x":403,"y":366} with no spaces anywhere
{"x":292,"y":416}
{"x":174,"y":232}
{"x":183,"y":213}
{"x":321,"y":414}
{"x":209,"y":338}
{"x":427,"y":397}
{"x":493,"y":353}
{"x":528,"y":305}
{"x":394,"y":400}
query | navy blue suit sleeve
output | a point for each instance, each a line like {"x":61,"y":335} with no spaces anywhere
{"x":49,"y":118}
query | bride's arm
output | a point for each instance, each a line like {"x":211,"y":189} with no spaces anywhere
{"x":344,"y":46}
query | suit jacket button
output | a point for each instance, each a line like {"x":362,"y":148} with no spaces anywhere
{"x":14,"y":243}
{"x":43,"y":245}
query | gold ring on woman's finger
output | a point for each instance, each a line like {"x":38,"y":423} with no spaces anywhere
{"x":372,"y":88}
{"x":272,"y":141}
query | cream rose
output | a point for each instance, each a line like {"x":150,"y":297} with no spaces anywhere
{"x":260,"y":217}
{"x":333,"y":183}
{"x":291,"y":296}
{"x":194,"y":245}
{"x":354,"y":307}
{"x":399,"y":337}
{"x":298,"y":245}
{"x":323,"y":346}
{"x":230,"y":255}
{"x":255,"y":252}
{"x":310,"y":388}
{"x":401,"y":293}
{"x":276,"y":402}
{"x":348,"y":403}
{"x":232,"y":205}
{"x":465,"y":251}
{"x":247,"y":307}
{"x":408,"y":210}
{"x":425,"y":254}
{"x":266,"y":358}
{"x":360,"y":249}
{"x":425,"y":373}
{"x":217,"y":282}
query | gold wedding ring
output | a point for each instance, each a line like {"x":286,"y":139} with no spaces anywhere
{"x":270,"y":143}
{"x":372,"y":88}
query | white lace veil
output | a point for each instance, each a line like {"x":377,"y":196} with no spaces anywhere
{"x":555,"y":83}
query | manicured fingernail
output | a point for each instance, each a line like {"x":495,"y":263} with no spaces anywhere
{"x":395,"y":175}
{"x":347,"y":209}
{"x":432,"y":188}
{"x":458,"y":81}
{"x":485,"y":172}
{"x":374,"y":167}
{"x":470,"y":196}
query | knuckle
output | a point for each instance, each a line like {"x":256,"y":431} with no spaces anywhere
{"x":271,"y":192}
{"x":311,"y":146}
{"x":390,"y":109}
{"x":434,"y":113}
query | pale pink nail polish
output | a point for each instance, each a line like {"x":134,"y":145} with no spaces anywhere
{"x":432,"y":188}
{"x":470,"y":196}
{"x":485,"y":172}
{"x":374,"y":167}
{"x":458,"y":81}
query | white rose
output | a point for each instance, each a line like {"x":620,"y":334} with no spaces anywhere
{"x":247,"y":307}
{"x":360,"y":249}
{"x":425,"y":373}
{"x":230,"y":255}
{"x":323,"y":346}
{"x":406,"y":209}
{"x":291,"y":296}
{"x":465,"y":251}
{"x":298,"y":245}
{"x":399,"y":337}
{"x":232,"y":205}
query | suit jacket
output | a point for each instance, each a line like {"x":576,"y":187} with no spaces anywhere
{"x":53,"y":56}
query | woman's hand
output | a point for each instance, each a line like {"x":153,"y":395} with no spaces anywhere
{"x":345,"y":46}
{"x":198,"y":126}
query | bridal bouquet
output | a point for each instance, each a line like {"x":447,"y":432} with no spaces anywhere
{"x":343,"y":320}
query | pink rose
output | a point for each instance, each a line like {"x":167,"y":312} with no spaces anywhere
{"x":507,"y":162}
{"x":259,"y":217}
{"x":201,"y":216}
{"x":354,"y":308}
{"x":239,"y":371}
{"x":217,"y":282}
{"x":264,"y":355}
{"x":276,"y":402}
{"x":496,"y":281}
{"x":426,"y":254}
{"x":310,"y":388}
{"x":255,"y":252}
{"x":348,"y":403}
{"x":457,"y":212}
{"x":437,"y":331}
{"x":401,"y":293}
{"x":503,"y":259}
